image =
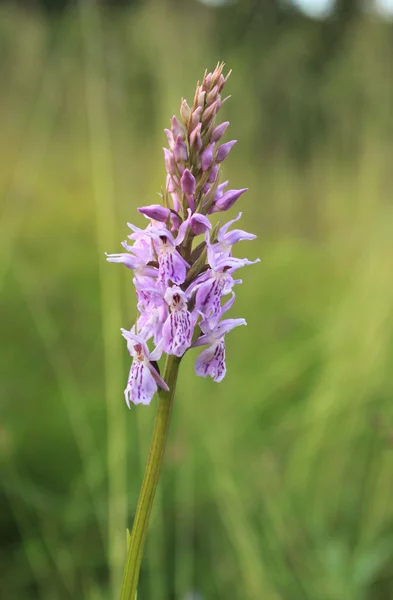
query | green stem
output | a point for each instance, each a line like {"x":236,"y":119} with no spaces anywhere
{"x":150,"y":481}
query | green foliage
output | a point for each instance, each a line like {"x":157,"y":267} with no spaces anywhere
{"x":277,"y":482}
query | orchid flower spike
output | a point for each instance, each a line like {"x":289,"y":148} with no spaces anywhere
{"x":183,"y":267}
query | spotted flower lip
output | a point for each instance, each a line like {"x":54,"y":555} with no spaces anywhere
{"x":209,"y":293}
{"x":172,"y":266}
{"x":178,"y":328}
{"x":143,"y":379}
{"x":216,"y":282}
{"x":183,"y":266}
{"x":212,"y":360}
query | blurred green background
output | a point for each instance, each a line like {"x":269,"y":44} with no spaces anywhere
{"x":278,"y":482}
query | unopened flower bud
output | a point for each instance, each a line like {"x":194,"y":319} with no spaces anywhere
{"x":212,"y":95}
{"x":180,"y":150}
{"x":224,"y":150}
{"x":185,"y":111}
{"x":219,"y":80}
{"x":177,"y":129}
{"x":188,"y":183}
{"x":213,"y":174}
{"x":201,"y":99}
{"x":199,"y":223}
{"x":227,"y":200}
{"x":156,"y":212}
{"x":169,"y":162}
{"x":207,"y":157}
{"x":195,"y":117}
{"x":207,"y":82}
{"x":219,"y":131}
{"x":197,"y":92}
{"x":170,"y":138}
{"x":195,"y":137}
{"x":210,"y":111}
{"x":222,"y":81}
{"x":216,"y":73}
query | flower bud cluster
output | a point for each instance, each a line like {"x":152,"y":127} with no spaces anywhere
{"x":181,"y":281}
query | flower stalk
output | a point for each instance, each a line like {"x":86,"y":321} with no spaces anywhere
{"x":150,"y":481}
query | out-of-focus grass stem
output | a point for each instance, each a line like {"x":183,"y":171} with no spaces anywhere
{"x":102,"y":181}
{"x":25,"y":170}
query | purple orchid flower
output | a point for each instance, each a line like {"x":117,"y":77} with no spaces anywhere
{"x":136,"y":258}
{"x":178,"y":328}
{"x":153,"y":310}
{"x":210,"y":288}
{"x":217,"y":282}
{"x":212,"y":360}
{"x":151,"y":322}
{"x":171,"y":265}
{"x":143,"y":379}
